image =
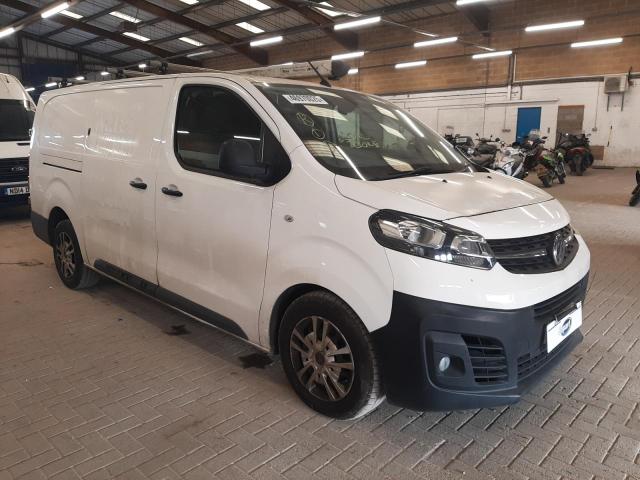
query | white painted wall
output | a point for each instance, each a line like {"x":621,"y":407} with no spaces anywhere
{"x":491,"y":112}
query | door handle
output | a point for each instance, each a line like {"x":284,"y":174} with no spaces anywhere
{"x":138,"y":183}
{"x":172,"y":191}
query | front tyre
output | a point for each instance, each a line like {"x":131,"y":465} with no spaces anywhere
{"x":328,"y":357}
{"x":68,"y":259}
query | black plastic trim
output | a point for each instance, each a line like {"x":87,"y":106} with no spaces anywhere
{"x":421,"y":331}
{"x":61,"y":167}
{"x":172,"y":299}
{"x":40,"y":227}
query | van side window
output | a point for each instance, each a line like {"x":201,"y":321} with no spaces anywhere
{"x":213,"y":123}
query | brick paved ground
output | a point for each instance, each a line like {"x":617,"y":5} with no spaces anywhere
{"x":91,"y":387}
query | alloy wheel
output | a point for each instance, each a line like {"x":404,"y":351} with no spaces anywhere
{"x":65,"y":255}
{"x":322,"y":358}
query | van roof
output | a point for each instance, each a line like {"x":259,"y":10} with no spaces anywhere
{"x":231,"y":76}
{"x":11,"y":88}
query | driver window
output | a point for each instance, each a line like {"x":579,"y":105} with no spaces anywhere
{"x":207,"y":118}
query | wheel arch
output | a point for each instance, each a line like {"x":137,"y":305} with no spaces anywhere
{"x":56,"y":216}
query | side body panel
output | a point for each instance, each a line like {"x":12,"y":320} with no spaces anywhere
{"x":119,"y":220}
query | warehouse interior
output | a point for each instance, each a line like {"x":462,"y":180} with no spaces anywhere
{"x":539,"y":97}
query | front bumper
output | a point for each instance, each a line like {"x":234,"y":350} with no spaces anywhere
{"x":496,"y":355}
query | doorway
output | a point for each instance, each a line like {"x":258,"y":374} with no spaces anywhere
{"x":528,"y":119}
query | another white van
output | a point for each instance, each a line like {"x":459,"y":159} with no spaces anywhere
{"x":16,"y":118}
{"x":326,"y":225}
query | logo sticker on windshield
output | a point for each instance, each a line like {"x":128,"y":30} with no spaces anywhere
{"x":306,"y":99}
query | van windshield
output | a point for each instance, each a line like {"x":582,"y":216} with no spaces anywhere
{"x":360,"y":136}
{"x":16,"y":120}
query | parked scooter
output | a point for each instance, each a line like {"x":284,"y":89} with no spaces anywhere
{"x":635,"y":195}
{"x":577,"y":151}
{"x":510,"y":161}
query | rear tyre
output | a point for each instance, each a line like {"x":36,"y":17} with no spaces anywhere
{"x":634,"y":200}
{"x":546,"y":181}
{"x":68,"y":258}
{"x":562,"y":179}
{"x":579,"y":165}
{"x":329,"y":358}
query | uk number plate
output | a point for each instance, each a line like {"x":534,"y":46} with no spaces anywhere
{"x":17,"y":190}
{"x":559,"y":330}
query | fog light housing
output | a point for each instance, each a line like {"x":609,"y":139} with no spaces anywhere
{"x":444,"y":364}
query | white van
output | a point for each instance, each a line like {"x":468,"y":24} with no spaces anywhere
{"x":16,"y":118}
{"x":326,"y":225}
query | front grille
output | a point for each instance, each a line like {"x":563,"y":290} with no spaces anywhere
{"x":488,"y":360}
{"x":533,"y":254}
{"x":14,"y":170}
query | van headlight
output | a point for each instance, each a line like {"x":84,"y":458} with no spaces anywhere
{"x":431,"y":239}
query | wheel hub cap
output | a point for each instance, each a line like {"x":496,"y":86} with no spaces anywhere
{"x":65,"y":253}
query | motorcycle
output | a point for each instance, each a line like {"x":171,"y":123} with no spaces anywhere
{"x":635,"y":195}
{"x":577,"y":152}
{"x":548,"y":164}
{"x":510,"y":161}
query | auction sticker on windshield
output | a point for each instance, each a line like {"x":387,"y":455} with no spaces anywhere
{"x":306,"y":99}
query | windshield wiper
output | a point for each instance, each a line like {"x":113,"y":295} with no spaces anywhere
{"x":416,"y":173}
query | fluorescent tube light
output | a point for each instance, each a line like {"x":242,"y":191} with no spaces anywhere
{"x":330,"y":13}
{"x":353,"y":71}
{"x":344,"y":56}
{"x":418,"y":63}
{"x":249,"y":27}
{"x":437,"y":41}
{"x":104,"y":73}
{"x":51,"y":84}
{"x":29,"y":89}
{"x":80,"y":78}
{"x":136,"y":36}
{"x":7,"y":31}
{"x":555,"y":26}
{"x":257,"y":4}
{"x":191,"y":41}
{"x":189,"y":2}
{"x":357,"y":23}
{"x":597,"y":43}
{"x":197,"y":54}
{"x":70,"y":14}
{"x":54,"y":10}
{"x":468,"y":2}
{"x":142,"y":66}
{"x":125,"y":17}
{"x":266,"y":41}
{"x":480,"y":56}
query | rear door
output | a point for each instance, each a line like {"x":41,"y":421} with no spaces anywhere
{"x":213,"y":229}
{"x":119,"y":175}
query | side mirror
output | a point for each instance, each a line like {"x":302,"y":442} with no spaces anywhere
{"x":498,"y":139}
{"x":239,"y":159}
{"x":544,"y":138}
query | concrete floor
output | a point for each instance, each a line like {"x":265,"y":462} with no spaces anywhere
{"x":92,"y":387}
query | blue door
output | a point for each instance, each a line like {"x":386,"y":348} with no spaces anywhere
{"x":528,"y":119}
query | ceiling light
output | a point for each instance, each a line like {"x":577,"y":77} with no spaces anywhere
{"x":468,"y":2}
{"x":53,"y":10}
{"x":285,"y":64}
{"x":353,"y":71}
{"x":136,"y":36}
{"x":437,"y":41}
{"x":418,"y":63}
{"x":357,"y":23}
{"x":330,"y":13}
{"x":257,"y":4}
{"x":249,"y":27}
{"x":189,"y":2}
{"x":555,"y":26}
{"x":597,"y":43}
{"x":197,"y":54}
{"x":104,"y":73}
{"x":480,"y":56}
{"x":344,"y":56}
{"x":142,"y":66}
{"x":266,"y":41}
{"x":29,"y":89}
{"x":7,"y":31}
{"x":191,"y":41}
{"x":125,"y":17}
{"x":70,"y":14}
{"x":51,"y":84}
{"x":80,"y":78}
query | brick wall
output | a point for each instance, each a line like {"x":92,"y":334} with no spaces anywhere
{"x":540,"y":55}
